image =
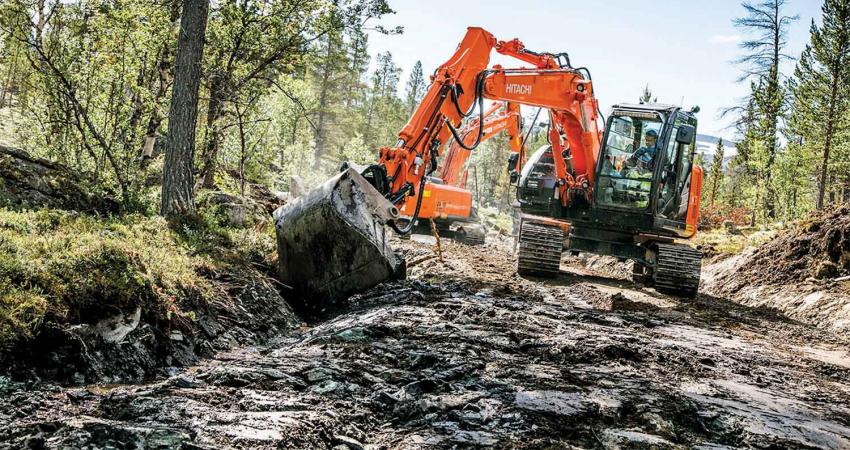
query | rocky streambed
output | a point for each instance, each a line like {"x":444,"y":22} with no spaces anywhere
{"x":467,"y":354}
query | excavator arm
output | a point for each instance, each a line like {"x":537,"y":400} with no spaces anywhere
{"x":446,"y":198}
{"x":499,"y":117}
{"x":463,"y":83}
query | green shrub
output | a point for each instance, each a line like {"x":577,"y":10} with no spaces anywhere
{"x":73,"y":268}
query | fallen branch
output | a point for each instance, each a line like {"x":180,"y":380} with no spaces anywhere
{"x":437,"y":237}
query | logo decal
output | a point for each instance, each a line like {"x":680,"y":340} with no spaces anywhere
{"x":521,"y":89}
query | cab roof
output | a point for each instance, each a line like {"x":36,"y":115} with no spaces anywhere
{"x":653,"y":108}
{"x":661,"y":107}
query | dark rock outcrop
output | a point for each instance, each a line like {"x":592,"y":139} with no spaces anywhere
{"x":30,"y":182}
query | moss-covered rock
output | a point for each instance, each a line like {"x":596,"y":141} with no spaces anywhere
{"x":30,"y":182}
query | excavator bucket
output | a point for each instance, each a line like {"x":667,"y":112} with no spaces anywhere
{"x":332,"y":242}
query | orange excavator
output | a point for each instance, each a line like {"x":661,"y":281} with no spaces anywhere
{"x":629,"y":189}
{"x":446,"y":199}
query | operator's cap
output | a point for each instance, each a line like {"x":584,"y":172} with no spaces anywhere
{"x":652,"y":133}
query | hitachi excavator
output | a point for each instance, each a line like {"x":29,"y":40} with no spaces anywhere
{"x":446,"y":199}
{"x":630,"y":190}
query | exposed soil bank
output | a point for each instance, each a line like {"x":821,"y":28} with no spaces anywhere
{"x":803,"y":272}
{"x":132,"y":346}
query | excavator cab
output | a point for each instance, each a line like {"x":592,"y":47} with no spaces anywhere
{"x":645,"y":165}
{"x":645,"y":197}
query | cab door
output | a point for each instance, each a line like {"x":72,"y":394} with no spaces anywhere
{"x":677,"y":176}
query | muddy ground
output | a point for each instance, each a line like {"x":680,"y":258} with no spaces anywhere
{"x":465,"y":353}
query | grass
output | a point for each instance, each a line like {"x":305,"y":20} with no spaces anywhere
{"x":500,"y":221}
{"x":725,"y":243}
{"x":67,"y":268}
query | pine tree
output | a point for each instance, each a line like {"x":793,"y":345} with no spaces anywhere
{"x":330,"y":80}
{"x":646,"y":96}
{"x":716,"y":172}
{"x":358,"y":64}
{"x":821,"y":88}
{"x":761,"y":61}
{"x":415,"y":88}
{"x":699,"y":159}
{"x":382,"y":111}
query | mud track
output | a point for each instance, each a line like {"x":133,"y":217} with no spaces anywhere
{"x":465,"y":353}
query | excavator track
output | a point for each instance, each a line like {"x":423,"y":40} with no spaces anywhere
{"x":473,"y":234}
{"x":540,"y":248}
{"x":677,"y":270}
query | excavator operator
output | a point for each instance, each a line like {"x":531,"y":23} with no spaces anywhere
{"x":644,"y":157}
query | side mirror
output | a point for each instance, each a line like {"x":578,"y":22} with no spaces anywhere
{"x":514,"y":177}
{"x":512,"y":160}
{"x":686,"y":134}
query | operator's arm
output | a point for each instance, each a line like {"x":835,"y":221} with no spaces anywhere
{"x":632,"y":160}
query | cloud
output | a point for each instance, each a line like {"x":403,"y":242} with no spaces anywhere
{"x":724,"y":38}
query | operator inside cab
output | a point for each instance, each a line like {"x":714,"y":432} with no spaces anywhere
{"x":630,"y":153}
{"x":644,"y":157}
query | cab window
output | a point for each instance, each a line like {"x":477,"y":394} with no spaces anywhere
{"x":675,"y":175}
{"x":628,"y":161}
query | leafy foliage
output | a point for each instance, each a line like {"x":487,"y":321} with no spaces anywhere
{"x":94,"y":78}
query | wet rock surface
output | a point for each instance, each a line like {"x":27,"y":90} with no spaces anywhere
{"x":467,"y":354}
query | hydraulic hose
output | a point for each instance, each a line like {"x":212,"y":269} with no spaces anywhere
{"x":590,"y":78}
{"x":479,"y":99}
{"x":427,"y":131}
{"x":531,"y":128}
{"x":411,"y":224}
{"x":434,"y":113}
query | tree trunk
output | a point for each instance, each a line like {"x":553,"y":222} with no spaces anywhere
{"x":846,"y":197}
{"x":827,"y":145}
{"x":824,"y":166}
{"x":177,"y":180}
{"x":165,"y":69}
{"x":327,"y":70}
{"x":10,"y":80}
{"x":214,"y":113}
{"x":773,"y":110}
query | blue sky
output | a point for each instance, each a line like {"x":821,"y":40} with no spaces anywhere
{"x":682,"y":49}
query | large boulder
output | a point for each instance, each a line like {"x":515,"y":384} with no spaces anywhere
{"x":30,"y":182}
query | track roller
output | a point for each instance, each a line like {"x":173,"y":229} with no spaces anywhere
{"x":540,"y":248}
{"x":677,"y":270}
{"x":471,"y":234}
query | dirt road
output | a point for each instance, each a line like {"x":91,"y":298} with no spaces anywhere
{"x":466,"y":353}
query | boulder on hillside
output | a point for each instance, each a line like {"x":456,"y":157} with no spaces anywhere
{"x":30,"y":182}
